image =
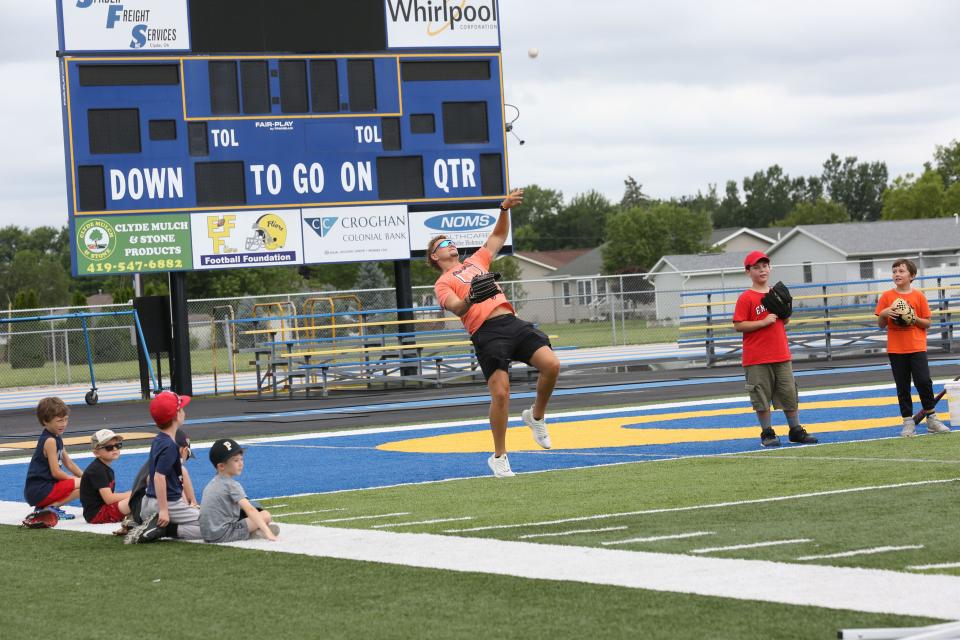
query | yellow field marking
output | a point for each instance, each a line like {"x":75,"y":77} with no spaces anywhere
{"x":612,"y":432}
{"x":77,"y":440}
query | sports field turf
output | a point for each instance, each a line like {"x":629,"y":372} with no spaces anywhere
{"x":194,"y":590}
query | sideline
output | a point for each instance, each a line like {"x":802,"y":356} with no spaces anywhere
{"x":870,"y":590}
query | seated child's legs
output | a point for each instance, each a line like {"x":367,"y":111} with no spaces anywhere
{"x":186,"y":518}
{"x":108,"y":513}
{"x":63,"y":492}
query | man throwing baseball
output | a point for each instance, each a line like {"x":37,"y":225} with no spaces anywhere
{"x":469,"y":290}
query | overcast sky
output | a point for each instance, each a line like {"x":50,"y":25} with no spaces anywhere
{"x":679,"y":94}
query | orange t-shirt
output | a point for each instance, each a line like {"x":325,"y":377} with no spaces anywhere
{"x":910,"y":339}
{"x":457,"y":281}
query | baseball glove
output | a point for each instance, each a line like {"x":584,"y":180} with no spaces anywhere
{"x":40,"y":519}
{"x":778,"y":301}
{"x":484,"y":287}
{"x":903,"y":313}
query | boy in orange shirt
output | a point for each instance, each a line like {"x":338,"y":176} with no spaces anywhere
{"x":907,"y":346}
{"x":498,"y":336}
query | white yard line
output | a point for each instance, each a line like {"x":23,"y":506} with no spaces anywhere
{"x":676,"y":536}
{"x":277,"y":506}
{"x":350,"y":519}
{"x":410,"y":524}
{"x":871,"y":590}
{"x":850,"y":459}
{"x":862,"y":552}
{"x":570,"y":533}
{"x":942,"y":565}
{"x":752,"y":545}
{"x":715,"y":505}
{"x":305,"y":513}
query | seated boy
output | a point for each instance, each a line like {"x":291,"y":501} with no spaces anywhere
{"x":101,"y":504}
{"x":226,"y":515}
{"x":139,"y":488}
{"x":47,"y":484}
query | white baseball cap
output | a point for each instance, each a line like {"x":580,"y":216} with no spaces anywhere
{"x":102,"y":437}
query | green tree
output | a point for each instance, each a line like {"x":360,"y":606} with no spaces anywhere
{"x":819,"y":212}
{"x":708,"y":202}
{"x":633,"y":195}
{"x":579,"y":224}
{"x":232,"y":283}
{"x":540,"y":206}
{"x":730,"y":212}
{"x":40,"y":272}
{"x":947,"y":162}
{"x":858,"y":186}
{"x":370,"y":276}
{"x":26,"y":344}
{"x":768,"y":196}
{"x":637,"y":238}
{"x":909,"y":197}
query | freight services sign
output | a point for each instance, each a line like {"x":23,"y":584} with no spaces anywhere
{"x":124,"y":25}
{"x":133,"y":244}
{"x":442,"y":23}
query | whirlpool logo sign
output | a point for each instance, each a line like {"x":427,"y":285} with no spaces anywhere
{"x":463,"y":221}
{"x":443,"y":23}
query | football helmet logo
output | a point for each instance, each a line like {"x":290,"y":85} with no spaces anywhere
{"x":269,"y":232}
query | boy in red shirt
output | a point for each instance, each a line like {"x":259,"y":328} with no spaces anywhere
{"x":766,"y":355}
{"x":498,"y":336}
{"x":907,"y":346}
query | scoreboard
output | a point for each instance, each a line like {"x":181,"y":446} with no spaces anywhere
{"x":203,"y":134}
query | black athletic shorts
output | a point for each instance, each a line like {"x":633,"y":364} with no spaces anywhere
{"x":504,"y":338}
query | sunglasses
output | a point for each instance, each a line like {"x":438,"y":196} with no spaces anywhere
{"x":443,"y":244}
{"x":112,"y":447}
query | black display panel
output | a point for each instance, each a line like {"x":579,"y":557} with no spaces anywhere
{"x":491,"y":174}
{"x":220,"y":184}
{"x":465,"y":123}
{"x":324,"y":86}
{"x":255,"y":86}
{"x":293,"y":86}
{"x":197,"y":141}
{"x":362,"y":86}
{"x":224,"y":91}
{"x":422,"y":123}
{"x":163,"y":129}
{"x":391,"y":133}
{"x":287,"y":26}
{"x":117,"y":75}
{"x":417,"y":71}
{"x":114,"y":130}
{"x":400,"y":178}
{"x":92,"y":195}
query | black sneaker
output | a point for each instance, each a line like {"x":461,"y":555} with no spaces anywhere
{"x":149,"y":531}
{"x":800,"y":436}
{"x":768,"y":438}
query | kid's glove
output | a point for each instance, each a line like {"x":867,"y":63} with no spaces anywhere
{"x":903,"y":313}
{"x":778,"y":301}
{"x":483,"y":287}
{"x":40,"y":519}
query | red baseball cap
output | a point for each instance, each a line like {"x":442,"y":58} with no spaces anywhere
{"x":166,"y":404}
{"x":754,"y":257}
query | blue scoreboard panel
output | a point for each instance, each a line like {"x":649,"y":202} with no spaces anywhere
{"x":272,"y":107}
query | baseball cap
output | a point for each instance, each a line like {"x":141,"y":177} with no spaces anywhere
{"x":183,"y":440}
{"x":164,"y":407}
{"x":754,"y":257}
{"x":102,"y":437}
{"x":224,"y":449}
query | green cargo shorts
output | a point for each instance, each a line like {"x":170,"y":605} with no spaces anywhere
{"x":772,"y":382}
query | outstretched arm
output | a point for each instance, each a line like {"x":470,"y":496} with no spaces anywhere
{"x":499,"y":234}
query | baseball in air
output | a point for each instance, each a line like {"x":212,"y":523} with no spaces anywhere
{"x":533,"y":52}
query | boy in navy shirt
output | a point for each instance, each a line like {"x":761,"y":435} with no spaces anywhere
{"x":165,"y":510}
{"x":47,"y":484}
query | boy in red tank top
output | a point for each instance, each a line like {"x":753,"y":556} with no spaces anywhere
{"x":766,"y":356}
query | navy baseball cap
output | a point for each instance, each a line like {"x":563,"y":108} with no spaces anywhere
{"x":224,"y":449}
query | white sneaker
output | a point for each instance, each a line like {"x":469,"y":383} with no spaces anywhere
{"x":500,"y":466}
{"x":909,"y":428}
{"x":935,"y":426}
{"x":538,"y":427}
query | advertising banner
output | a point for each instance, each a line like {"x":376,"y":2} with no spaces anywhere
{"x":355,"y":234}
{"x":442,"y":23}
{"x":133,"y":244}
{"x":468,"y":228}
{"x":102,"y":25}
{"x":246,"y":239}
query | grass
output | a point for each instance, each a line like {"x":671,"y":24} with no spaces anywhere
{"x":102,"y":589}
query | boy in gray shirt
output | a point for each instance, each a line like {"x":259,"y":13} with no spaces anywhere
{"x":226,"y":515}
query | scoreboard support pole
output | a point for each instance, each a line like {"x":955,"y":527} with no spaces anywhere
{"x":401,"y":272}
{"x":181,"y":375}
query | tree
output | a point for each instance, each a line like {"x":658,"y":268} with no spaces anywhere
{"x":633,"y":195}
{"x":538,"y":204}
{"x":947,"y":159}
{"x":40,"y":272}
{"x":730,"y":213}
{"x":233,"y":283}
{"x":819,"y":212}
{"x":909,"y":198}
{"x":637,"y":238}
{"x":370,"y":276}
{"x":26,"y":343}
{"x":768,"y":196}
{"x":857,"y":186}
{"x":708,"y":203}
